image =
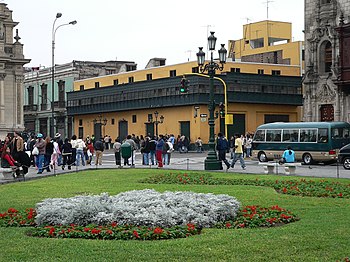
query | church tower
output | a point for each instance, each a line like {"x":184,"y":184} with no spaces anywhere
{"x":11,"y":75}
{"x":324,"y":98}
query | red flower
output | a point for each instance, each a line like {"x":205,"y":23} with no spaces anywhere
{"x":114,"y":224}
{"x":158,"y":231}
{"x":241,"y":225}
{"x":86,"y":229}
{"x":52,"y":231}
{"x":340,"y":194}
{"x":135,"y":234}
{"x":284,"y":190}
{"x":12,"y":210}
{"x":109,"y":232}
{"x":95,"y":231}
{"x":228,"y":225}
{"x":191,"y":227}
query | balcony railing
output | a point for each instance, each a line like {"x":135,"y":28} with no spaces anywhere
{"x":27,"y":108}
{"x":60,"y":104}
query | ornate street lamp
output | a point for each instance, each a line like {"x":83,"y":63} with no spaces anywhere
{"x":156,"y":122}
{"x":54,"y":29}
{"x":211,"y":162}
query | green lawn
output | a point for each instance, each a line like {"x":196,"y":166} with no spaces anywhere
{"x":322,"y":234}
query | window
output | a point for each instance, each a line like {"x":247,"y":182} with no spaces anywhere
{"x":110,"y":71}
{"x":308,"y":135}
{"x":328,"y":57}
{"x":323,"y":135}
{"x":130,"y":68}
{"x":273,"y":135}
{"x":259,"y":135}
{"x":44,"y":94}
{"x":131,"y":79}
{"x":112,"y":121}
{"x":290,"y":135}
{"x":81,"y":88}
{"x":97,"y":84}
{"x":276,"y":72}
{"x":235,"y":70}
{"x":276,"y":118}
{"x":30,"y":95}
{"x":195,"y":69}
{"x":61,"y":90}
{"x":172,"y":73}
{"x":149,"y":77}
{"x":325,"y":2}
{"x":150,"y":118}
{"x":115,"y":82}
{"x":260,"y":71}
{"x":80,"y":122}
{"x":340,"y":133}
{"x":134,"y":118}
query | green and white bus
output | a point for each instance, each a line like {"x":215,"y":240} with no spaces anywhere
{"x":311,"y":141}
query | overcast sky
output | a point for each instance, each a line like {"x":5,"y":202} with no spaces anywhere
{"x":137,"y":30}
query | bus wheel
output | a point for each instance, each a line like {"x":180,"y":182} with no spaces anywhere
{"x":307,"y":159}
{"x":346,"y":163}
{"x":262,"y":157}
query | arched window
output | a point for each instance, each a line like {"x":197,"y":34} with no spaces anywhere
{"x":325,"y":2}
{"x":325,"y":57}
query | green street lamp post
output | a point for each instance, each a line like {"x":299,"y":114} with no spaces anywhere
{"x":211,"y":162}
{"x":54,"y":29}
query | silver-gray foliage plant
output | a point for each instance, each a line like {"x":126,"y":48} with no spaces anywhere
{"x":139,"y":207}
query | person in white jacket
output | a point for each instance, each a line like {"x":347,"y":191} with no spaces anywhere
{"x":80,"y":145}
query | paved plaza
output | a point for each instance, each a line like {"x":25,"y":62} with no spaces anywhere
{"x":193,"y":161}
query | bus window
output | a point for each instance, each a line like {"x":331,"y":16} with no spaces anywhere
{"x":340,"y":133}
{"x":322,"y":135}
{"x":290,"y":135}
{"x":259,"y":135}
{"x":308,"y":135}
{"x":273,"y":135}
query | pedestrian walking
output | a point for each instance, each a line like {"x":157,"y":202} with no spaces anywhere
{"x":238,"y":152}
{"x":222,"y":146}
{"x":67,"y":154}
{"x":159,"y":150}
{"x":80,"y":145}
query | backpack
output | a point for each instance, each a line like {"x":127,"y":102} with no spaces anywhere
{"x":165,"y":147}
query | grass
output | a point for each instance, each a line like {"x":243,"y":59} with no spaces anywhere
{"x":322,"y":234}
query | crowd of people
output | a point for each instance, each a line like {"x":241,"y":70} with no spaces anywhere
{"x":46,"y":153}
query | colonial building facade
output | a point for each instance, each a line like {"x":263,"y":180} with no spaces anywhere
{"x":325,"y":93}
{"x":38,"y":104}
{"x":11,"y":75}
{"x":134,"y":102}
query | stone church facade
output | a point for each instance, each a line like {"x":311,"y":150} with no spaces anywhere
{"x":11,"y":75}
{"x":325,"y":87}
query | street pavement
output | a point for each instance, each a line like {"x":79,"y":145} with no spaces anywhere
{"x":192,"y":161}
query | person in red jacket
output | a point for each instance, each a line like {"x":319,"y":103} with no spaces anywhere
{"x":7,"y":160}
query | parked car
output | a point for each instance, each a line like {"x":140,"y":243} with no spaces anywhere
{"x":344,"y":156}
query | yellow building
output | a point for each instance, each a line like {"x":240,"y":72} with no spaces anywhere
{"x":125,"y":103}
{"x":267,"y":42}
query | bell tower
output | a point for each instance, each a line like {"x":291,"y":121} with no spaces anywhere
{"x":11,"y":74}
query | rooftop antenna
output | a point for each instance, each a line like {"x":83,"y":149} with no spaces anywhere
{"x":208,"y":26}
{"x":267,"y":8}
{"x":189,"y":52}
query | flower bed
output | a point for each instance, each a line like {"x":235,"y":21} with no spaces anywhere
{"x":115,"y":232}
{"x":303,"y":187}
{"x":207,"y":210}
{"x":140,"y":208}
